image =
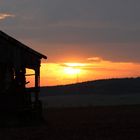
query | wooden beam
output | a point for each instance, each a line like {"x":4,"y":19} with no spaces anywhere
{"x":37,"y":83}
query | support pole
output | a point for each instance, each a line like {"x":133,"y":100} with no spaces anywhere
{"x":37,"y":84}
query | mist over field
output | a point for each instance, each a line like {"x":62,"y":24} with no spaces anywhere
{"x":94,"y":93}
{"x":89,"y":100}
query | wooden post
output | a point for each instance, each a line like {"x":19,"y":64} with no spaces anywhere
{"x":37,"y":83}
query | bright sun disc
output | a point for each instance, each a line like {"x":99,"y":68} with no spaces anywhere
{"x":71,"y":71}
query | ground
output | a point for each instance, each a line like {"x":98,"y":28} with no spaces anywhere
{"x":81,"y":123}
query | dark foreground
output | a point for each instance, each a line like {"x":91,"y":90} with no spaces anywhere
{"x":89,"y":123}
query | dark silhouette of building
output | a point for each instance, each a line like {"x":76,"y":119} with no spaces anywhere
{"x":15,"y":57}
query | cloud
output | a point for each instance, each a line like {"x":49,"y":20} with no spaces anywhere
{"x":104,"y":66}
{"x":73,"y":65}
{"x":95,"y":59}
{"x":5,"y":15}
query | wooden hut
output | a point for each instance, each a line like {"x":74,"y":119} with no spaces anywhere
{"x":15,"y":57}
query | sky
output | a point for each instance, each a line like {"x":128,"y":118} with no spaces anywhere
{"x":102,"y":35}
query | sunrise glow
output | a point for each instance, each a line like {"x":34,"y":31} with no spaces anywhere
{"x":68,"y":73}
{"x":71,"y":71}
{"x":100,"y":44}
{"x":72,"y":68}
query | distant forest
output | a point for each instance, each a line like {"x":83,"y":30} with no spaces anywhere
{"x":106,"y":86}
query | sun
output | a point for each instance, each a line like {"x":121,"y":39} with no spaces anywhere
{"x":71,"y":70}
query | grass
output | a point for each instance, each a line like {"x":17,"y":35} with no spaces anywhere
{"x":85,"y":123}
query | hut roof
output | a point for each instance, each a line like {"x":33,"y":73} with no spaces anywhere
{"x":17,"y":54}
{"x":16,"y":43}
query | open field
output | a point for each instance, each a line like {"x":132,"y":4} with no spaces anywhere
{"x":82,"y":123}
{"x":88,"y":100}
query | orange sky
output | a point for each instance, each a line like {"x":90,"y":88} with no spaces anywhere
{"x":66,"y":32}
{"x":92,"y":69}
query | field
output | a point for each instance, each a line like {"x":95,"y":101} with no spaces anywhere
{"x":81,"y":123}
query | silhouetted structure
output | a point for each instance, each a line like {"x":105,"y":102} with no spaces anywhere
{"x":15,"y":57}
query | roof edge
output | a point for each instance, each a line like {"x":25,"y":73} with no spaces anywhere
{"x":9,"y":38}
